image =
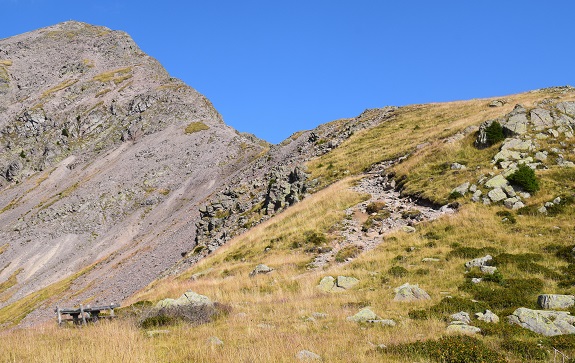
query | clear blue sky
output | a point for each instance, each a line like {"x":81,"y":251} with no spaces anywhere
{"x":275,"y":67}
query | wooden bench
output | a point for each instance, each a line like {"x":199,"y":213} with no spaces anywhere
{"x":85,"y":315}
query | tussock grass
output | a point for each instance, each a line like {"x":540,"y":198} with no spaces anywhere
{"x":194,"y":127}
{"x":59,"y":87}
{"x":117,"y":76}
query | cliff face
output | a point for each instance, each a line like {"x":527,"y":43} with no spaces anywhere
{"x":104,"y":159}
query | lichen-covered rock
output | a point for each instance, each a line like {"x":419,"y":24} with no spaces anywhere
{"x":363,"y":316}
{"x":410,"y":293}
{"x":497,"y":181}
{"x":461,"y":316}
{"x":488,"y":316}
{"x":346,"y":282}
{"x":461,"y":189}
{"x":478,"y":262}
{"x":496,"y":195}
{"x":488,"y":270}
{"x":261,"y":269}
{"x":458,"y":327}
{"x":544,"y":322}
{"x":555,"y":301}
{"x":306,"y":355}
{"x":188,"y":298}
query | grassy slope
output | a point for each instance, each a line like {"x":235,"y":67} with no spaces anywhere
{"x":269,"y":318}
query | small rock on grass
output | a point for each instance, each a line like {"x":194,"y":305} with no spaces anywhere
{"x":306,"y":355}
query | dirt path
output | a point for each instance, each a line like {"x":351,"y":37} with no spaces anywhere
{"x":396,"y":213}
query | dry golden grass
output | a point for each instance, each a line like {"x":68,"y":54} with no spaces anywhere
{"x":117,"y":76}
{"x":59,"y":87}
{"x":269,"y":320}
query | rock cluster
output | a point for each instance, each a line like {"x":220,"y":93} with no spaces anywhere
{"x":523,"y":130}
{"x":410,"y":293}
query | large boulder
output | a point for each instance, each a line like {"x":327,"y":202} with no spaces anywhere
{"x":555,"y":301}
{"x":409,"y":293}
{"x":364,"y":315}
{"x":517,"y":122}
{"x":189,"y":298}
{"x":544,"y":322}
{"x":261,"y":269}
{"x":342,"y":283}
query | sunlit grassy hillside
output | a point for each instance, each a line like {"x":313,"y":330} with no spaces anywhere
{"x":274,"y":316}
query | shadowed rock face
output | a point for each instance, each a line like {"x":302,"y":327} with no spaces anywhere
{"x":105,"y":159}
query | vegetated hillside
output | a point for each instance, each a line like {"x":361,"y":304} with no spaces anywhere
{"x":368,"y":225}
{"x":114,"y":173}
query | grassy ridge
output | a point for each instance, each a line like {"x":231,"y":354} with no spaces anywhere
{"x":271,"y":318}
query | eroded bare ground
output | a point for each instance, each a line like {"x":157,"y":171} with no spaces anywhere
{"x":365,"y":228}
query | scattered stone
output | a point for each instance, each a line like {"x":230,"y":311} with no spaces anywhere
{"x":544,"y":322}
{"x":462,"y":328}
{"x":542,"y":210}
{"x":511,"y":203}
{"x":408,"y":229}
{"x":497,"y":103}
{"x":478,"y":262}
{"x":409,"y":293}
{"x":457,"y":166}
{"x":555,"y":301}
{"x":342,"y":283}
{"x":541,"y":156}
{"x":153,"y":333}
{"x":496,"y":195}
{"x":188,"y":298}
{"x":261,"y":269}
{"x":488,"y":316}
{"x":488,"y":270}
{"x":317,"y":315}
{"x":497,"y":181}
{"x":473,"y":188}
{"x":508,"y":189}
{"x":476,"y":280}
{"x":517,"y":144}
{"x":557,"y":200}
{"x":461,"y":316}
{"x":215,"y":341}
{"x":430,"y":259}
{"x":306,"y":355}
{"x":346,"y":282}
{"x":383,"y":322}
{"x":462,"y":189}
{"x":364,"y":315}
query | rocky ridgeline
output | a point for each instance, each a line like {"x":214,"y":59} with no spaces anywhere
{"x":236,"y":210}
{"x":539,"y":138}
{"x":270,"y":184}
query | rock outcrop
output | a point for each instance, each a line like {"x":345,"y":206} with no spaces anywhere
{"x":544,"y":322}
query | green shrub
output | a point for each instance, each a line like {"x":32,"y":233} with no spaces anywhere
{"x":471,"y":252}
{"x":494,"y":133}
{"x":397,"y":271}
{"x":509,"y":258}
{"x":508,"y":294}
{"x":525,"y":350}
{"x":374,"y":207}
{"x":448,"y":349}
{"x":561,"y":341}
{"x":506,"y":216}
{"x":525,"y":178}
{"x":65,"y":133}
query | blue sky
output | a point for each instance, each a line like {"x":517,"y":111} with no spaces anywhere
{"x":276,"y":67}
